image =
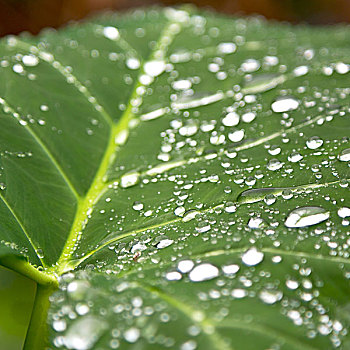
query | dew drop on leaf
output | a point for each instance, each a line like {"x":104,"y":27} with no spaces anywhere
{"x":306,"y":216}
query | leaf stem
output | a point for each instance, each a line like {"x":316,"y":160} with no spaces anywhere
{"x":37,"y":333}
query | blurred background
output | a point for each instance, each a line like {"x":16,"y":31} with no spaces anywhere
{"x":17,"y":292}
{"x":33,"y":15}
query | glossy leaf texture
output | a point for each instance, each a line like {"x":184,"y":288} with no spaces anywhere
{"x":187,"y":177}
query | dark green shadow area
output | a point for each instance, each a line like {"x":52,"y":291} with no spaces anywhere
{"x":16,"y":303}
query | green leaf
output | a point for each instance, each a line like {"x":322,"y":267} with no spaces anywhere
{"x":185,"y":176}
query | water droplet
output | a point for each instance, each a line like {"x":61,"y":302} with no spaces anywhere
{"x":132,"y":335}
{"x":231,"y":119}
{"x":137,"y":206}
{"x":181,"y":84}
{"x":164,"y":243}
{"x":344,"y":156}
{"x":30,"y":60}
{"x":133,"y":63}
{"x":344,"y":212}
{"x":292,"y":284}
{"x":59,"y":325}
{"x":227,"y":48}
{"x":203,"y":226}
{"x":314,"y":142}
{"x":84,"y":333}
{"x":342,"y":68}
{"x":203,"y":272}
{"x":306,"y":216}
{"x":236,"y":135}
{"x":256,"y":223}
{"x":173,"y":276}
{"x":230,"y":269}
{"x":285,"y":104}
{"x":239,"y":293}
{"x":300,"y":71}
{"x":295,"y":157}
{"x":190,"y":215}
{"x":270,"y":296}
{"x":129,"y":179}
{"x":179,"y":211}
{"x":185,"y":266}
{"x":250,"y":65}
{"x":274,"y":164}
{"x":262,"y":83}
{"x":230,"y":207}
{"x":248,"y":117}
{"x":78,"y":289}
{"x":111,"y":33}
{"x":252,"y":257}
{"x":154,"y":68}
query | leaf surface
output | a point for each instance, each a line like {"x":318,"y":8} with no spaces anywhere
{"x":191,"y":169}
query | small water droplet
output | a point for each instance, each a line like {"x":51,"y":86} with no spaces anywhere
{"x":137,"y":206}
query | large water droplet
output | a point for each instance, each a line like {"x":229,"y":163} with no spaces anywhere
{"x":129,"y":179}
{"x":285,"y":104}
{"x":154,"y":68}
{"x":306,"y":216}
{"x":111,"y":33}
{"x":270,"y":296}
{"x":314,"y":142}
{"x":344,"y":156}
{"x":252,"y":257}
{"x":203,"y":272}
